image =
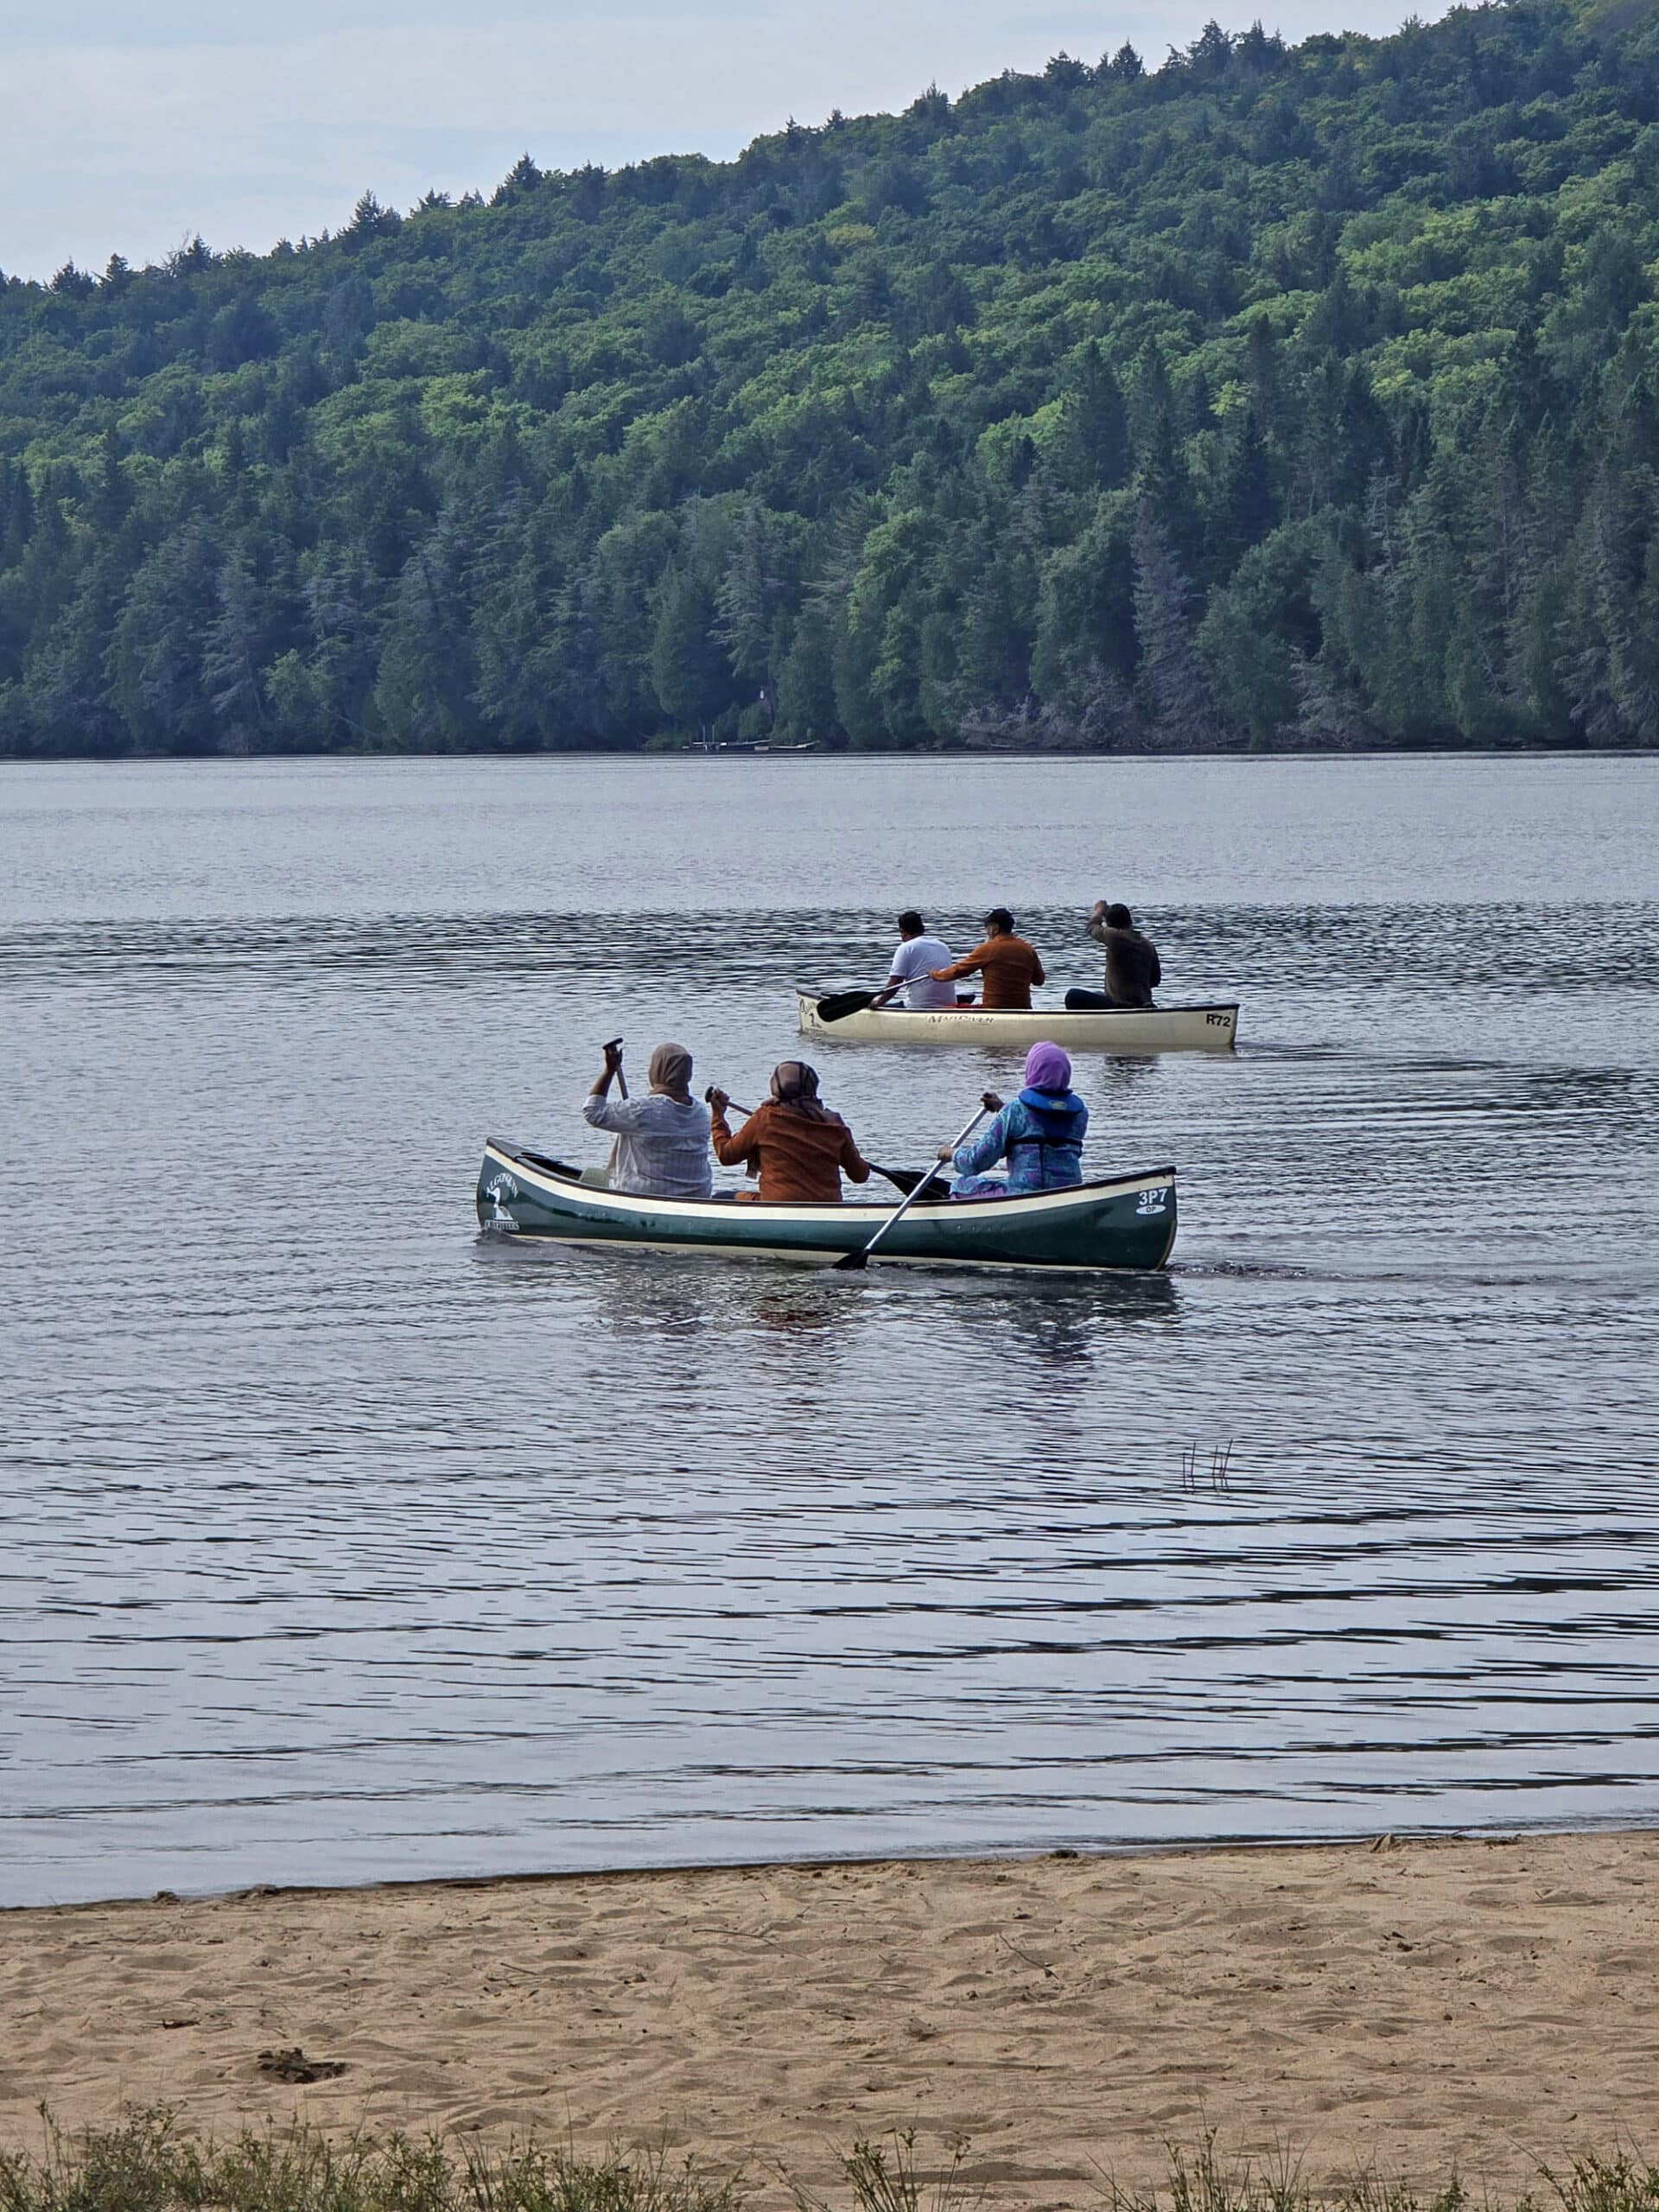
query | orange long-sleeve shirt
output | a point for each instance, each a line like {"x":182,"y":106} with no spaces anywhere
{"x":798,"y":1155}
{"x":1010,"y":966}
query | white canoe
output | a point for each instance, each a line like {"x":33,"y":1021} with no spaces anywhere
{"x":1127,"y":1029}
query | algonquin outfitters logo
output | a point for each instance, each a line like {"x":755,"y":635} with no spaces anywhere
{"x":497,"y":1189}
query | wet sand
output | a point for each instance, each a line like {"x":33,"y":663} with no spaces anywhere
{"x":1413,"y":2006}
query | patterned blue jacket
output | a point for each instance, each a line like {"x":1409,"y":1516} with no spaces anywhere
{"x":1041,"y":1134}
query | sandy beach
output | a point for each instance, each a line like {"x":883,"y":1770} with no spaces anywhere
{"x":1417,"y":2005}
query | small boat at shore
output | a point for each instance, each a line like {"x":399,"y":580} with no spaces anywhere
{"x":1119,"y":1221}
{"x":1207,"y":1028}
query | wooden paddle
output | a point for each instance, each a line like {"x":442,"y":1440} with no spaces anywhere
{"x":859,"y":1255}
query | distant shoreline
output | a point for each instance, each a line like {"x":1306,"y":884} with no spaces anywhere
{"x":964,"y":755}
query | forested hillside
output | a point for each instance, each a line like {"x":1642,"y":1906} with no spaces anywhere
{"x":1273,"y":395}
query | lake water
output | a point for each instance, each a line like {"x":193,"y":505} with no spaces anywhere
{"x":341,"y":1543}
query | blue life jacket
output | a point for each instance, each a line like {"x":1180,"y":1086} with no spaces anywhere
{"x":1053,"y":1141}
{"x":1041,"y":1134}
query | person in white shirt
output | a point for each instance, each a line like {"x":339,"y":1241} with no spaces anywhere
{"x":662,"y":1141}
{"x":918,"y":953}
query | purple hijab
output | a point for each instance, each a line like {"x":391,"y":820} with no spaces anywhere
{"x":1047,"y":1068}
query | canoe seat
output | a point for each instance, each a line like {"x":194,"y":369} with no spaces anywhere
{"x":595,"y":1178}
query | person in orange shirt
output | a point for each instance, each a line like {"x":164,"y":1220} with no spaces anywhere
{"x":1008,"y":964}
{"x":795,"y":1144}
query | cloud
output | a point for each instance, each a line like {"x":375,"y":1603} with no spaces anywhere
{"x":248,"y":123}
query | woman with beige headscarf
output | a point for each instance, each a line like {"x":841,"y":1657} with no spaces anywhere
{"x":662,"y":1140}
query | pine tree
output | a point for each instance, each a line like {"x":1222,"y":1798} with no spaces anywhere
{"x":1327,"y":712}
{"x":234,"y":652}
{"x":515,"y":583}
{"x":64,"y":693}
{"x":1085,"y":613}
{"x":686,"y":672}
{"x":153,"y":662}
{"x":1172,"y":683}
{"x":17,"y":511}
{"x":749,"y":597}
{"x":342,"y":597}
{"x":1634,"y":671}
{"x":806,"y":684}
{"x":111,"y":500}
{"x":1095,"y":436}
{"x":423,"y":689}
{"x":1245,"y":506}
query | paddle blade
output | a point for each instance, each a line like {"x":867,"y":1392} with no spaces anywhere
{"x":903,"y":1179}
{"x":907,"y":1180}
{"x":849,"y":1262}
{"x":839,"y":1004}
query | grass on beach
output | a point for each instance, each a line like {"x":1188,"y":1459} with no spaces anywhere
{"x":147,"y":2164}
{"x":1207,"y":2183}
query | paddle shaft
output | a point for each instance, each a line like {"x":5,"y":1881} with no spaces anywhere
{"x":858,"y":1257}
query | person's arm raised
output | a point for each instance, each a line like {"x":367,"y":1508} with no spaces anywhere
{"x":608,"y":1073}
{"x":730,"y":1151}
{"x":599,"y":1110}
{"x":987,"y":1149}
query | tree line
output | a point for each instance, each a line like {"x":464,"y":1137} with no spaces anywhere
{"x":1273,"y":395}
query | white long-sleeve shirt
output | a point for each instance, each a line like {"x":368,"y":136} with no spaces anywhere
{"x":662,"y":1147}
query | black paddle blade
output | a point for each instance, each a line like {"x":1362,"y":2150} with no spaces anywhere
{"x":850,"y":1262}
{"x":839,"y":1004}
{"x":904,"y":1180}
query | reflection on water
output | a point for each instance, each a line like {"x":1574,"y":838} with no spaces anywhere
{"x":343,"y":1542}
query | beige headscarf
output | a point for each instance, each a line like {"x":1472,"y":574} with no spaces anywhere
{"x":796,"y":1084}
{"x":669,"y":1070}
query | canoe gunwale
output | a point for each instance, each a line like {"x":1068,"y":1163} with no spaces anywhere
{"x":1025,"y":1012}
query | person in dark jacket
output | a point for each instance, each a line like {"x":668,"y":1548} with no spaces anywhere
{"x":1039,"y":1133}
{"x":1132,"y":970}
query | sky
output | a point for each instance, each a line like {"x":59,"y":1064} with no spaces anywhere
{"x":136,"y":124}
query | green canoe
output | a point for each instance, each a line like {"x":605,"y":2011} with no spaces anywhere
{"x":1121,"y":1221}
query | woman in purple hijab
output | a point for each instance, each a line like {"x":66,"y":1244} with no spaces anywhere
{"x":1039,"y":1133}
